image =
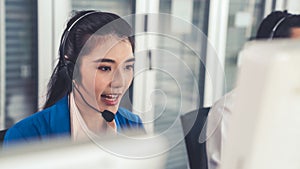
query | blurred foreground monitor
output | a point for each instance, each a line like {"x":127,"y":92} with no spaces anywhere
{"x":122,"y":152}
{"x":264,"y":131}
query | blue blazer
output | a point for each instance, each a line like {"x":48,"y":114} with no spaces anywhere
{"x":55,"y":122}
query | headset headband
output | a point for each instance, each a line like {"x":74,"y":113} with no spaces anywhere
{"x":65,"y":36}
{"x":89,"y":13}
{"x":277,"y":25}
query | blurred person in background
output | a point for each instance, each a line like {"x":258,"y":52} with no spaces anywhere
{"x":278,"y":24}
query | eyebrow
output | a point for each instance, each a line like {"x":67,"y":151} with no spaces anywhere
{"x":112,"y":61}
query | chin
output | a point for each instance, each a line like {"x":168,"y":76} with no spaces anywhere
{"x":113,"y":108}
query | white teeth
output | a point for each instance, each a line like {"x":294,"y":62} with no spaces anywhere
{"x":111,"y":96}
{"x":110,"y":99}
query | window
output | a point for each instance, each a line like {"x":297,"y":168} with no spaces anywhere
{"x":20,"y":59}
{"x":244,"y":19}
{"x":179,"y":78}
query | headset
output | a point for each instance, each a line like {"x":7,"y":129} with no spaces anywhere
{"x":107,"y":115}
{"x":277,"y":25}
{"x":66,"y":34}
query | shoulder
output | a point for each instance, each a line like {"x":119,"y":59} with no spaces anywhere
{"x":218,"y":118}
{"x":221,"y":110}
{"x":219,"y":114}
{"x":41,"y":124}
{"x":127,"y":114}
{"x":28,"y":128}
{"x":224,"y":104}
{"x":33,"y":121}
{"x":128,"y":119}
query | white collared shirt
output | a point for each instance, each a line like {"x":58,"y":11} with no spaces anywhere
{"x":79,"y":129}
{"x":217,"y":129}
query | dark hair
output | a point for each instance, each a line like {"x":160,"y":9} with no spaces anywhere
{"x":79,"y":29}
{"x":277,"y":24}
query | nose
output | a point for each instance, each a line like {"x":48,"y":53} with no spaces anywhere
{"x":118,"y":79}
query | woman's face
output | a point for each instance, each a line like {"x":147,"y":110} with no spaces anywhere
{"x":106,"y":74}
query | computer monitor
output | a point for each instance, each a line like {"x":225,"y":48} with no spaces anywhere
{"x":264,"y":131}
{"x":146,"y":152}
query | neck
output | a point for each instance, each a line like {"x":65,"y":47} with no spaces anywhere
{"x":93,"y":119}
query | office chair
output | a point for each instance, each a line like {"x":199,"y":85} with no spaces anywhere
{"x":196,"y":151}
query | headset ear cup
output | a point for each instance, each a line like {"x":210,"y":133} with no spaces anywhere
{"x":70,"y":67}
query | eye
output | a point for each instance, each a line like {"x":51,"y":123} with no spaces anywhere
{"x":104,"y":68}
{"x":129,"y":67}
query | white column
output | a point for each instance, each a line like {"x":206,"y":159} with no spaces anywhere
{"x":52,"y":16}
{"x":45,"y":47}
{"x":61,"y":14}
{"x":144,"y":85}
{"x":281,"y":4}
{"x":2,"y":64}
{"x":293,"y":6}
{"x":217,"y":36}
{"x":268,"y":7}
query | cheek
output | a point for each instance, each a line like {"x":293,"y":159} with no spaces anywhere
{"x":87,"y":76}
{"x":87,"y":83}
{"x":128,"y":79}
{"x":101,"y":82}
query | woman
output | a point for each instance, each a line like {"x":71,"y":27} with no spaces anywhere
{"x":94,"y":70}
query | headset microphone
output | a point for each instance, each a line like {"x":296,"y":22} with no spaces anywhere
{"x":107,"y":115}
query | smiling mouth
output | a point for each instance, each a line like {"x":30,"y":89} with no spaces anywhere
{"x":110,"y":99}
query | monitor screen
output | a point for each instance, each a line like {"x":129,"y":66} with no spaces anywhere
{"x":146,"y":152}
